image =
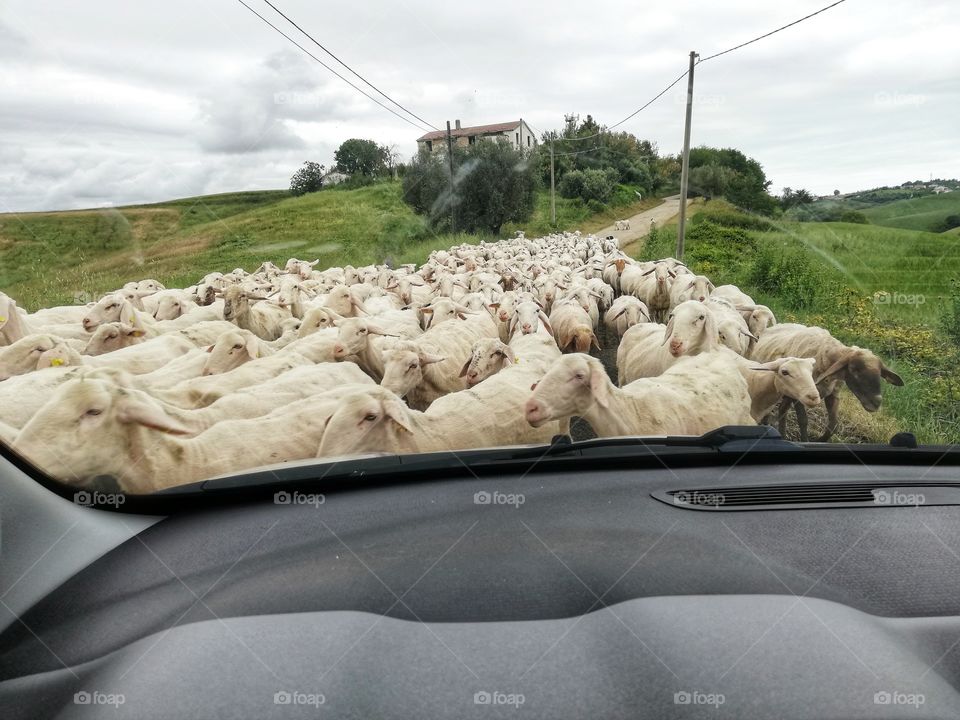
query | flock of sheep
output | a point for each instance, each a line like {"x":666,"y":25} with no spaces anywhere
{"x":483,"y":345}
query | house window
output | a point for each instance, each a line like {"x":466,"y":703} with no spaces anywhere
{"x":517,"y":135}
{"x":430,"y":145}
{"x":472,"y":140}
{"x":528,"y":141}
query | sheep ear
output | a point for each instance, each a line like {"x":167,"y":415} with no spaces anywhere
{"x":546,"y":322}
{"x":710,"y":327}
{"x":890,"y":376}
{"x":748,"y":334}
{"x":128,"y":314}
{"x":594,"y":341}
{"x":466,"y":367}
{"x":508,"y":357}
{"x":141,"y":413}
{"x":253,"y":346}
{"x":209,"y":349}
{"x":599,"y":384}
{"x":394,"y":409}
{"x":669,"y":331}
{"x":837,"y":366}
{"x":428,"y":359}
{"x":619,"y":314}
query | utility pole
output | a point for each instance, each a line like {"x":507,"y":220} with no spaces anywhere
{"x":685,"y":164}
{"x":453,"y":209}
{"x":553,"y":190}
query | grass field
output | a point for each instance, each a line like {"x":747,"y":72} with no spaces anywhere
{"x":911,"y":269}
{"x":923,"y":213}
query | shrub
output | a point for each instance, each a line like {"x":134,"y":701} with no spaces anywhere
{"x":729,"y":216}
{"x":787,"y":272}
{"x":589,"y":185}
{"x":853,"y":216}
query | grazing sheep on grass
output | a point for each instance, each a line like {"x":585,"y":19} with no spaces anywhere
{"x":836,"y":364}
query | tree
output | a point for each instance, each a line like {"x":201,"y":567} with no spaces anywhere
{"x":362,"y":157}
{"x":793,"y":198}
{"x":712,"y":180}
{"x":307,"y":179}
{"x":494,"y":184}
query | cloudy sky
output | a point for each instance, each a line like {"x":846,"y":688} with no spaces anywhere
{"x":113,"y":102}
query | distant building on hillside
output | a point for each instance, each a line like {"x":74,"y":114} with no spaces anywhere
{"x":334,"y":177}
{"x":516,"y":132}
{"x":937,"y":189}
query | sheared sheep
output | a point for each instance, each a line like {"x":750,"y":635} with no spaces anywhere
{"x":693,"y":396}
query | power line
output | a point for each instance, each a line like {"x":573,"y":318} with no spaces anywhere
{"x":702,"y":60}
{"x":359,"y":90}
{"x":370,"y":84}
{"x":772,"y":32}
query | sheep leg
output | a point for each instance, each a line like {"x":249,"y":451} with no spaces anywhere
{"x":832,"y":404}
{"x":785,"y":405}
{"x":802,"y":422}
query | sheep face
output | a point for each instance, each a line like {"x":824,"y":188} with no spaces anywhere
{"x":231,"y":350}
{"x":317,"y":319}
{"x":403,"y":368}
{"x":353,"y":335}
{"x":90,"y":427}
{"x":113,"y":336}
{"x":344,"y":302}
{"x":168,"y":308}
{"x":862,"y":371}
{"x":731,"y":335}
{"x":795,"y":380}
{"x":24,"y":355}
{"x":570,"y":387}
{"x":690,"y":328}
{"x":487,"y":357}
{"x":109,"y":308}
{"x":372,"y":421}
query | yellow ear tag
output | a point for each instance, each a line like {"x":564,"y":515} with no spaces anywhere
{"x":2,"y":318}
{"x":56,"y":362}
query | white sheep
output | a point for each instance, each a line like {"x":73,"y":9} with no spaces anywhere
{"x":364,"y":340}
{"x":695,"y":395}
{"x":786,"y":377}
{"x":429,"y":367}
{"x":836,"y":364}
{"x":625,"y":312}
{"x":487,"y":415}
{"x":694,"y":287}
{"x":647,"y":350}
{"x":95,"y":427}
{"x":261,"y":318}
{"x":490,"y":355}
{"x":572,"y":327}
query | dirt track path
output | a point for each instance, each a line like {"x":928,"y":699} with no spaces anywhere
{"x":640,"y":223}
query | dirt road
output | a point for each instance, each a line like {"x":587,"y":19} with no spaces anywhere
{"x":640,"y":223}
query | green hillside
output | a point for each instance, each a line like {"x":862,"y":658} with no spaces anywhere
{"x":48,"y":258}
{"x":923,"y":213}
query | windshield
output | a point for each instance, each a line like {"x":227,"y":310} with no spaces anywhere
{"x":284,"y":234}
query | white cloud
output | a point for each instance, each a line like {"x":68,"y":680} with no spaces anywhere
{"x":113,"y":102}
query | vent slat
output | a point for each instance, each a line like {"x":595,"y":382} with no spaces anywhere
{"x":808,"y":495}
